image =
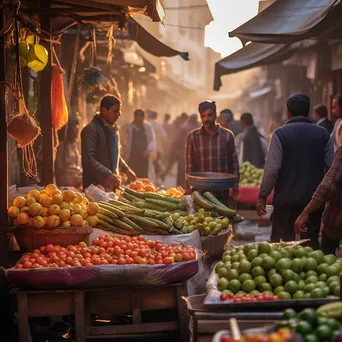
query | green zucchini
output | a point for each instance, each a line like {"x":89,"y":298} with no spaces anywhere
{"x":201,"y":201}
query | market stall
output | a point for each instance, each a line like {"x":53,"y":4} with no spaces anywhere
{"x":262,"y":283}
{"x":130,"y":244}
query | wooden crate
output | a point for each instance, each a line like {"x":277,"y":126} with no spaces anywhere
{"x":137,"y":303}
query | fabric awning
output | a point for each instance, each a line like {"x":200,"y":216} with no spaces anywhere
{"x":289,"y":21}
{"x":252,"y":55}
{"x":65,"y":13}
{"x":151,"y":44}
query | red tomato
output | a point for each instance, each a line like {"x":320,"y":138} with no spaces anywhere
{"x":167,"y":261}
{"x":49,"y":248}
{"x":129,"y":261}
{"x":152,"y":262}
{"x":19,"y":266}
{"x":61,"y":263}
{"x":68,"y":260}
{"x":121,"y":261}
{"x":223,"y":297}
{"x":226,"y":339}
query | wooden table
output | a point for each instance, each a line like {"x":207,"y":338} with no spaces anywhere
{"x":133,"y":302}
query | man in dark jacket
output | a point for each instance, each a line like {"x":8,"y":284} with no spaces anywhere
{"x":299,"y":154}
{"x":226,"y":120}
{"x":101,"y":159}
{"x":252,"y":146}
{"x":320,"y":116}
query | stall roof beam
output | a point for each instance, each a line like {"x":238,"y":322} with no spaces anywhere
{"x":252,"y":55}
{"x":289,"y":21}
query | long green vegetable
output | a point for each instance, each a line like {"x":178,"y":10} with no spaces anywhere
{"x":201,"y":201}
{"x":219,"y":206}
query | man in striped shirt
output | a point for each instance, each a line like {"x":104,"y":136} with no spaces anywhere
{"x":211,"y":148}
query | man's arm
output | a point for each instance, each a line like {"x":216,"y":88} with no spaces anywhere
{"x":334,"y":176}
{"x":233,"y":161}
{"x":272,"y":167}
{"x":328,"y":154}
{"x":323,"y":193}
{"x":190,"y":159}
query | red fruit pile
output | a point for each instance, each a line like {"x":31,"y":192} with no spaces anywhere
{"x":243,"y":298}
{"x":114,"y":250}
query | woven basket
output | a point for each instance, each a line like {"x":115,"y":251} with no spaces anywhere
{"x":214,"y":245}
{"x":33,"y":238}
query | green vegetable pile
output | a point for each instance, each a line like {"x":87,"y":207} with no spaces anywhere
{"x":311,"y":325}
{"x":289,"y":272}
{"x":250,"y":175}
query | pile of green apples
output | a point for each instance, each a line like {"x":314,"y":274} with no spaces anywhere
{"x":250,"y":175}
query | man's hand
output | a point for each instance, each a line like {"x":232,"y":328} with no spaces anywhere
{"x":131,"y":176}
{"x":114,"y":181}
{"x":261,"y":208}
{"x":299,"y":226}
{"x":233,"y":192}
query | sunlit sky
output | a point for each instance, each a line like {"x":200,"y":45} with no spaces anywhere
{"x":228,"y":15}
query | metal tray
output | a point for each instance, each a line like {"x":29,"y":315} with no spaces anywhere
{"x":212,"y":180}
{"x":213,"y":302}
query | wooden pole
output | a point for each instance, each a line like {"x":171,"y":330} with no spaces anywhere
{"x":44,"y":107}
{"x":5,"y":313}
{"x":3,"y":153}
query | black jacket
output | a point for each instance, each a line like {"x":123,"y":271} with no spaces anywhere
{"x":97,"y":151}
{"x":252,"y":148}
{"x":327,"y":124}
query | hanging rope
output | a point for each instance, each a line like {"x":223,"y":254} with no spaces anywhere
{"x":23,"y":127}
{"x":74,"y":66}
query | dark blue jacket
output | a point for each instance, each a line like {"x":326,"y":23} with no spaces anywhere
{"x":299,"y":154}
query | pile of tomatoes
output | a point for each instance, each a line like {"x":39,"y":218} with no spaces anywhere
{"x":243,"y":298}
{"x":113,"y":250}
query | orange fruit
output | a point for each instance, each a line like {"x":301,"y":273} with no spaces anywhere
{"x":149,"y":188}
{"x":92,"y":208}
{"x":68,"y":196}
{"x":50,"y":188}
{"x":19,"y":201}
{"x":139,"y":185}
{"x":13,"y":211}
{"x":34,"y":194}
{"x":22,"y":218}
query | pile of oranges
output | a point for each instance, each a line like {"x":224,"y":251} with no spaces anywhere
{"x":147,"y":186}
{"x":53,"y":208}
{"x":175,"y":192}
{"x":143,"y":186}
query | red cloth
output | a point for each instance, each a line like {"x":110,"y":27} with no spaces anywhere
{"x":249,"y":195}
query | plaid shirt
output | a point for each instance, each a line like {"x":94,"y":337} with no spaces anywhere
{"x":211,"y":153}
{"x":330,"y":191}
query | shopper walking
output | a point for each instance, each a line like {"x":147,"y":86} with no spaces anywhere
{"x":299,"y":154}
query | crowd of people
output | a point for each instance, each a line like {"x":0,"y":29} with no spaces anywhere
{"x":298,"y":159}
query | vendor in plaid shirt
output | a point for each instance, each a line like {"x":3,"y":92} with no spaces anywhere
{"x":211,"y":148}
{"x":329,"y":192}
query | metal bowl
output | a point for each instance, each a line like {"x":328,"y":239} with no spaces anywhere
{"x":212,"y":181}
